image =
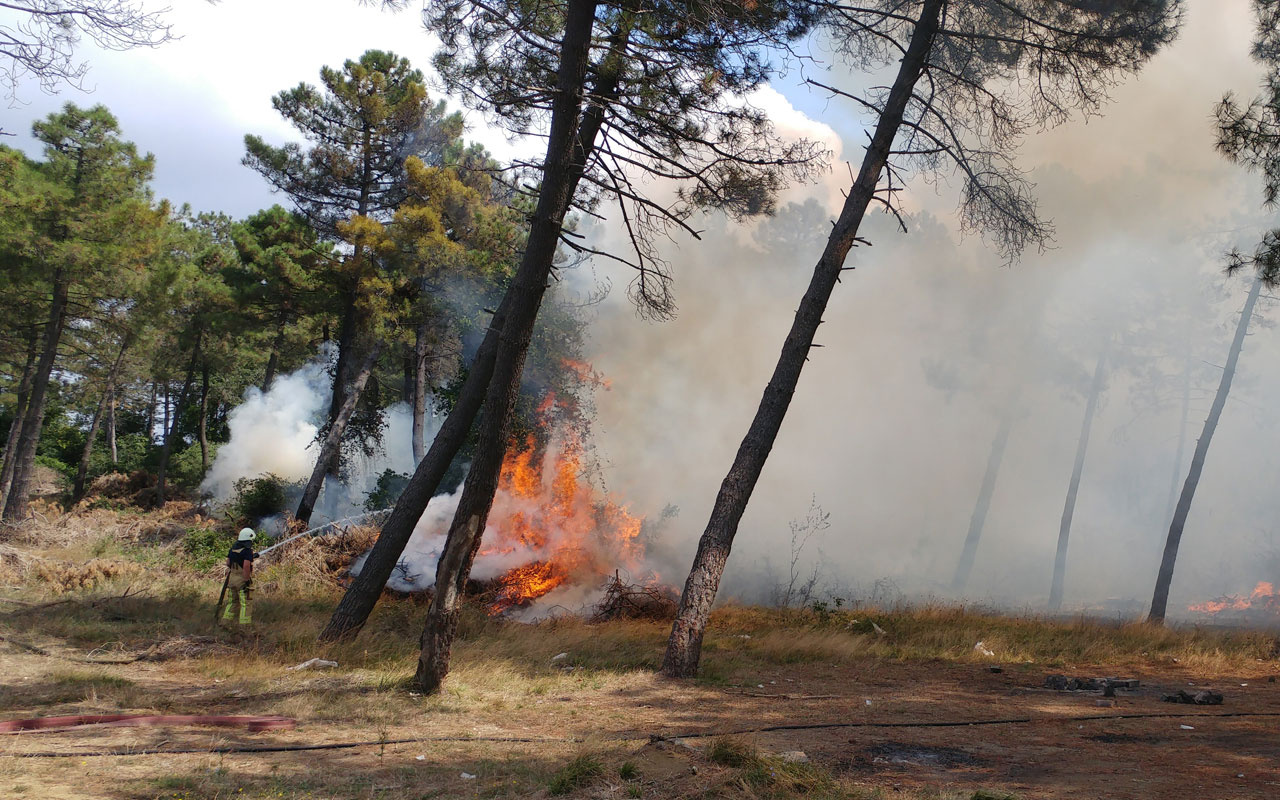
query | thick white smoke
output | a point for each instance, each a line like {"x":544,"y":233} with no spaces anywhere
{"x":275,"y":432}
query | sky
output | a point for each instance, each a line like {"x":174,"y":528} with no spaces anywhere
{"x":927,"y":343}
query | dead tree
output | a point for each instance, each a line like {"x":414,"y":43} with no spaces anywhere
{"x":972,"y":78}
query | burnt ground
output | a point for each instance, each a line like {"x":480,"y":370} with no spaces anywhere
{"x":876,"y":732}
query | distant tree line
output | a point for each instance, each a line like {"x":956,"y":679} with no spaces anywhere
{"x":133,"y":326}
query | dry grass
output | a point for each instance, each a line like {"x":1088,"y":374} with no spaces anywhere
{"x":502,"y":673}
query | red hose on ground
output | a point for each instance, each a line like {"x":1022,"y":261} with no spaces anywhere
{"x":53,"y":723}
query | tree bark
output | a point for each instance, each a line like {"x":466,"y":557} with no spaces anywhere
{"x":273,"y":362}
{"x":570,"y":140}
{"x":173,"y":417}
{"x":82,"y":473}
{"x":979,"y":517}
{"x":1073,"y":488}
{"x":1172,"y":504}
{"x":151,"y":415}
{"x":111,"y":426}
{"x":333,"y":439}
{"x":419,"y":391}
{"x":362,"y":595}
{"x":19,"y":412}
{"x":684,"y":648}
{"x":204,"y":417}
{"x":1160,"y":599}
{"x":16,"y":506}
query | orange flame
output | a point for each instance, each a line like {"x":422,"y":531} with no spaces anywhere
{"x":1263,"y":597}
{"x":587,"y":374}
{"x":573,"y":533}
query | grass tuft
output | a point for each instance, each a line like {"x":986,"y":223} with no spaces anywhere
{"x":577,"y":773}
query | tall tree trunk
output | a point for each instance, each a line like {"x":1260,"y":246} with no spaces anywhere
{"x":1073,"y":488}
{"x":171,"y":429}
{"x":19,"y":412}
{"x":362,"y":595}
{"x":33,"y":419}
{"x":570,"y":140}
{"x":151,"y":415}
{"x":164,"y":407}
{"x":979,"y":517}
{"x":1160,"y":599}
{"x":108,"y":393}
{"x":419,"y":391}
{"x":204,"y":417}
{"x":333,"y":439}
{"x":273,"y":362}
{"x":1172,"y":504}
{"x":684,"y":648}
{"x":344,"y":372}
{"x":111,"y":426}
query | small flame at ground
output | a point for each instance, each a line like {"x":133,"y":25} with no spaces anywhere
{"x":1263,"y":598}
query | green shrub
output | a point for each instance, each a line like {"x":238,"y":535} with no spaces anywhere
{"x":255,"y":498}
{"x":387,"y":491}
{"x":187,"y":470}
{"x":207,"y":548}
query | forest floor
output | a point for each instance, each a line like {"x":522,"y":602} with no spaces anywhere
{"x":876,"y":714}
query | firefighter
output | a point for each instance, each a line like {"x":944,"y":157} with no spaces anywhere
{"x":240,"y":577}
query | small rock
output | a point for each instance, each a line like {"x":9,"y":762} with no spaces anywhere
{"x":467,"y":776}
{"x":559,"y":657}
{"x":759,"y":685}
{"x":1104,"y":703}
{"x":744,"y":636}
{"x":868,"y":702}
{"x":1186,"y":727}
{"x":314,"y":663}
{"x":419,"y":758}
{"x":1239,"y":774}
{"x":996,"y":669}
{"x":795,"y":757}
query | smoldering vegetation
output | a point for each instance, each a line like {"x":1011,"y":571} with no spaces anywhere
{"x":931,"y":341}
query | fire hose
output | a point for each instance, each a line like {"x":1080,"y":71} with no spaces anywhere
{"x":253,"y":723}
{"x":652,"y":737}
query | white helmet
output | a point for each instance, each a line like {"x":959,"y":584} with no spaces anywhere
{"x":246,"y":535}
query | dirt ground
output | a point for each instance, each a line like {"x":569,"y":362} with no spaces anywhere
{"x":879,"y":728}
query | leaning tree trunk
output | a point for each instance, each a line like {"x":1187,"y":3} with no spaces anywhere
{"x":24,"y":455}
{"x":570,"y":141}
{"x":1172,"y":505}
{"x":418,"y":391}
{"x":172,"y":418}
{"x":979,"y":517}
{"x":1073,"y":488}
{"x":685,"y":645}
{"x":361,"y":596}
{"x":19,"y":411}
{"x":104,"y":404}
{"x":332,"y":443}
{"x":1160,"y":599}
